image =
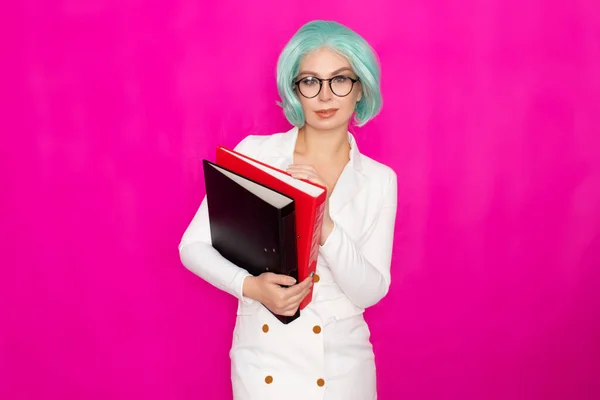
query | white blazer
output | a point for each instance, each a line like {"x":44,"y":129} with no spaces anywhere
{"x":353,"y":270}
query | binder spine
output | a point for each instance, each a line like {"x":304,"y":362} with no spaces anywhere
{"x":289,"y":256}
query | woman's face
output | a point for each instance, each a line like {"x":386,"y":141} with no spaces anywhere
{"x":326,"y":110}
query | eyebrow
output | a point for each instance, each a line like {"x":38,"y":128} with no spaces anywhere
{"x":337,"y":71}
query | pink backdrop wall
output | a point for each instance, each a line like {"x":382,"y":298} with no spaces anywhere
{"x":491,"y":121}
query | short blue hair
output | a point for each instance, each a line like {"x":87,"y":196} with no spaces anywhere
{"x":336,"y":37}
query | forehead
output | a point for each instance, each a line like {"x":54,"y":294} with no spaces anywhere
{"x":323,"y":61}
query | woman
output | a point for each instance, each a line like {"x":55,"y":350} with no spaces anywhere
{"x":326,"y":75}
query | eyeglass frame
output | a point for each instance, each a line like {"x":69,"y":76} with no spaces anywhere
{"x":353,"y":80}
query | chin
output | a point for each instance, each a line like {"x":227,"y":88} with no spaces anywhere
{"x":325,"y":125}
{"x":320,"y":126}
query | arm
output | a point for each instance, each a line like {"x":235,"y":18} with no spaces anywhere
{"x":198,"y":255}
{"x":363,"y":273}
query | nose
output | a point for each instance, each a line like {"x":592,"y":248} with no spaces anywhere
{"x":325,"y":94}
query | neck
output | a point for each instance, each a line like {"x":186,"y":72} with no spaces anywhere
{"x":323,"y":145}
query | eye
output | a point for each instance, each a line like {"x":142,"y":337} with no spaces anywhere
{"x":340,"y":79}
{"x":309,"y":81}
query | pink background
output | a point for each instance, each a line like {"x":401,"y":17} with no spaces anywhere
{"x":491,"y":120}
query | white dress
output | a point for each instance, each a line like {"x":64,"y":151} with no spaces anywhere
{"x":325,"y":354}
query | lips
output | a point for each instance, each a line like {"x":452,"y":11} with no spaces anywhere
{"x":326,"y":113}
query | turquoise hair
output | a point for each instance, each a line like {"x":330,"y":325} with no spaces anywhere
{"x":344,"y":41}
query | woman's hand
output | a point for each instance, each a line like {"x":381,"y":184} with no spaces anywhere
{"x":267,"y":289}
{"x":309,"y":173}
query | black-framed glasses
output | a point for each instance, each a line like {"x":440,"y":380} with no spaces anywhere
{"x":340,"y":85}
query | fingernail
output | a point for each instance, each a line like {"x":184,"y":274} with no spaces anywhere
{"x":312,"y":274}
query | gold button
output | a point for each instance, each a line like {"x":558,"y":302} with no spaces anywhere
{"x":317,"y":329}
{"x":269,"y":379}
{"x":320,"y":382}
{"x":316,"y":278}
{"x":265,"y":328}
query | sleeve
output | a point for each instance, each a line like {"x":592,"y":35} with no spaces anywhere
{"x":198,"y":255}
{"x":363,"y":272}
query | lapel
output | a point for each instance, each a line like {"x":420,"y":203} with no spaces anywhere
{"x":351,"y":179}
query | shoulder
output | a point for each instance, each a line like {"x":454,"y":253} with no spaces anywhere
{"x":377,"y":171}
{"x":382,"y":182}
{"x":255,"y":144}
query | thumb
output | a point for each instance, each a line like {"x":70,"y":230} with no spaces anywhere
{"x":283,"y":280}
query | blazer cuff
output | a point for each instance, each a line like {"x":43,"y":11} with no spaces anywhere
{"x":241,"y":276}
{"x":331,"y":248}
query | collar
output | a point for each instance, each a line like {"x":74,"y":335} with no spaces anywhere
{"x":287,"y":147}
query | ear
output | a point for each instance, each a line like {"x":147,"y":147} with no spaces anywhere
{"x":359,"y":96}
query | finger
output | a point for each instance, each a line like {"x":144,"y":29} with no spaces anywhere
{"x":307,"y":281}
{"x":297,"y":289}
{"x":293,"y":306}
{"x":308,"y":176}
{"x":298,"y":292}
{"x":290,"y":312}
{"x":302,"y":170}
{"x":300,"y":175}
{"x":298,"y":295}
{"x":306,"y":167}
{"x":296,"y":299}
{"x":292,"y":291}
{"x":280,"y":279}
